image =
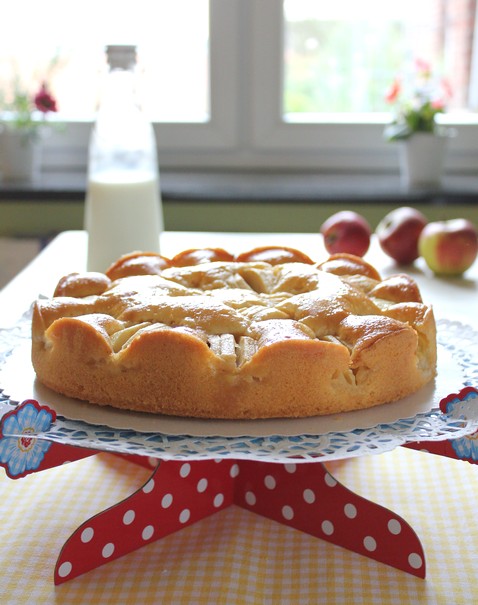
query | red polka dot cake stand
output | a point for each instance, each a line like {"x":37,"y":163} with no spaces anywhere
{"x":302,"y":495}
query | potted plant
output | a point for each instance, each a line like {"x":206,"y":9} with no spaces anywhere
{"x":417,"y":101}
{"x":23,"y":121}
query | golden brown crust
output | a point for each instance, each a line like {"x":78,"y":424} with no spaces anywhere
{"x":82,"y":284}
{"x":350,"y":265}
{"x":274,"y":255}
{"x":138,"y":263}
{"x":236,"y":339}
{"x":397,"y":288}
{"x":195,"y":256}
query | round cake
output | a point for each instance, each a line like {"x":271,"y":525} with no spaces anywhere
{"x":264,"y":334}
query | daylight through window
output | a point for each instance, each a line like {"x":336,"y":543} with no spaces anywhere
{"x":341,"y":56}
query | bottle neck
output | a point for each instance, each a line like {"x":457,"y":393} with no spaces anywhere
{"x":120,"y":89}
{"x":123,"y":139}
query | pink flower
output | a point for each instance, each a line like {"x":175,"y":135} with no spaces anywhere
{"x":438,"y":104}
{"x":447,"y":89}
{"x":423,"y":67}
{"x":393,"y":91}
{"x":45,"y":101}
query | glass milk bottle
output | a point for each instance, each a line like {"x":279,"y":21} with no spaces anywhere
{"x":123,"y":211}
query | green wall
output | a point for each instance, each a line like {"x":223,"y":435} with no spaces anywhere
{"x":44,"y":218}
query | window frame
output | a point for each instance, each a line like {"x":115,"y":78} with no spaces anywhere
{"x":247,"y":130}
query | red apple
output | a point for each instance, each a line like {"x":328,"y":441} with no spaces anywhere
{"x":449,"y":247}
{"x":398,"y":234}
{"x":346,"y":231}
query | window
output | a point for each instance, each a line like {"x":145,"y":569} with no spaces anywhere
{"x":256,"y":83}
{"x":341,"y":56}
{"x":335,"y":141}
{"x":173,"y":53}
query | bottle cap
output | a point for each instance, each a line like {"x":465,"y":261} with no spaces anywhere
{"x":121,"y":56}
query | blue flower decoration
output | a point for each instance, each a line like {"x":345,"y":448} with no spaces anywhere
{"x":20,"y":451}
{"x":465,"y":447}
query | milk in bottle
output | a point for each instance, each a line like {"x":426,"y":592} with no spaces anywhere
{"x":123,"y":211}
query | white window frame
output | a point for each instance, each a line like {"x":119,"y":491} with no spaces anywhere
{"x":179,"y":144}
{"x":247,"y":130}
{"x":331,"y":142}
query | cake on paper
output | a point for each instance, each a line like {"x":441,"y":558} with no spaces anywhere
{"x":264,"y":334}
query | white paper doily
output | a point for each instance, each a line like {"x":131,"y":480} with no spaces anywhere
{"x":460,"y":341}
{"x":18,"y":381}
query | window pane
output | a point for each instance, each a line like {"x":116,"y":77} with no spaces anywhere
{"x":342,"y":56}
{"x":64,"y":42}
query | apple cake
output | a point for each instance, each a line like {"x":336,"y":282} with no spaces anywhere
{"x":264,"y":334}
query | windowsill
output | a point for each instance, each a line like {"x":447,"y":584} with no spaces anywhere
{"x":195,"y":185}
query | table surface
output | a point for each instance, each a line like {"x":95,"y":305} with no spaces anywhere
{"x":452,"y":298}
{"x":235,"y":556}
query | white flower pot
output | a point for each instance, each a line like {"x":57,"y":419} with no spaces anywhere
{"x":422,"y":158}
{"x":20,"y":156}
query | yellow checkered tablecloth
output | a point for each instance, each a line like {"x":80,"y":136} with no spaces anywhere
{"x":236,"y":557}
